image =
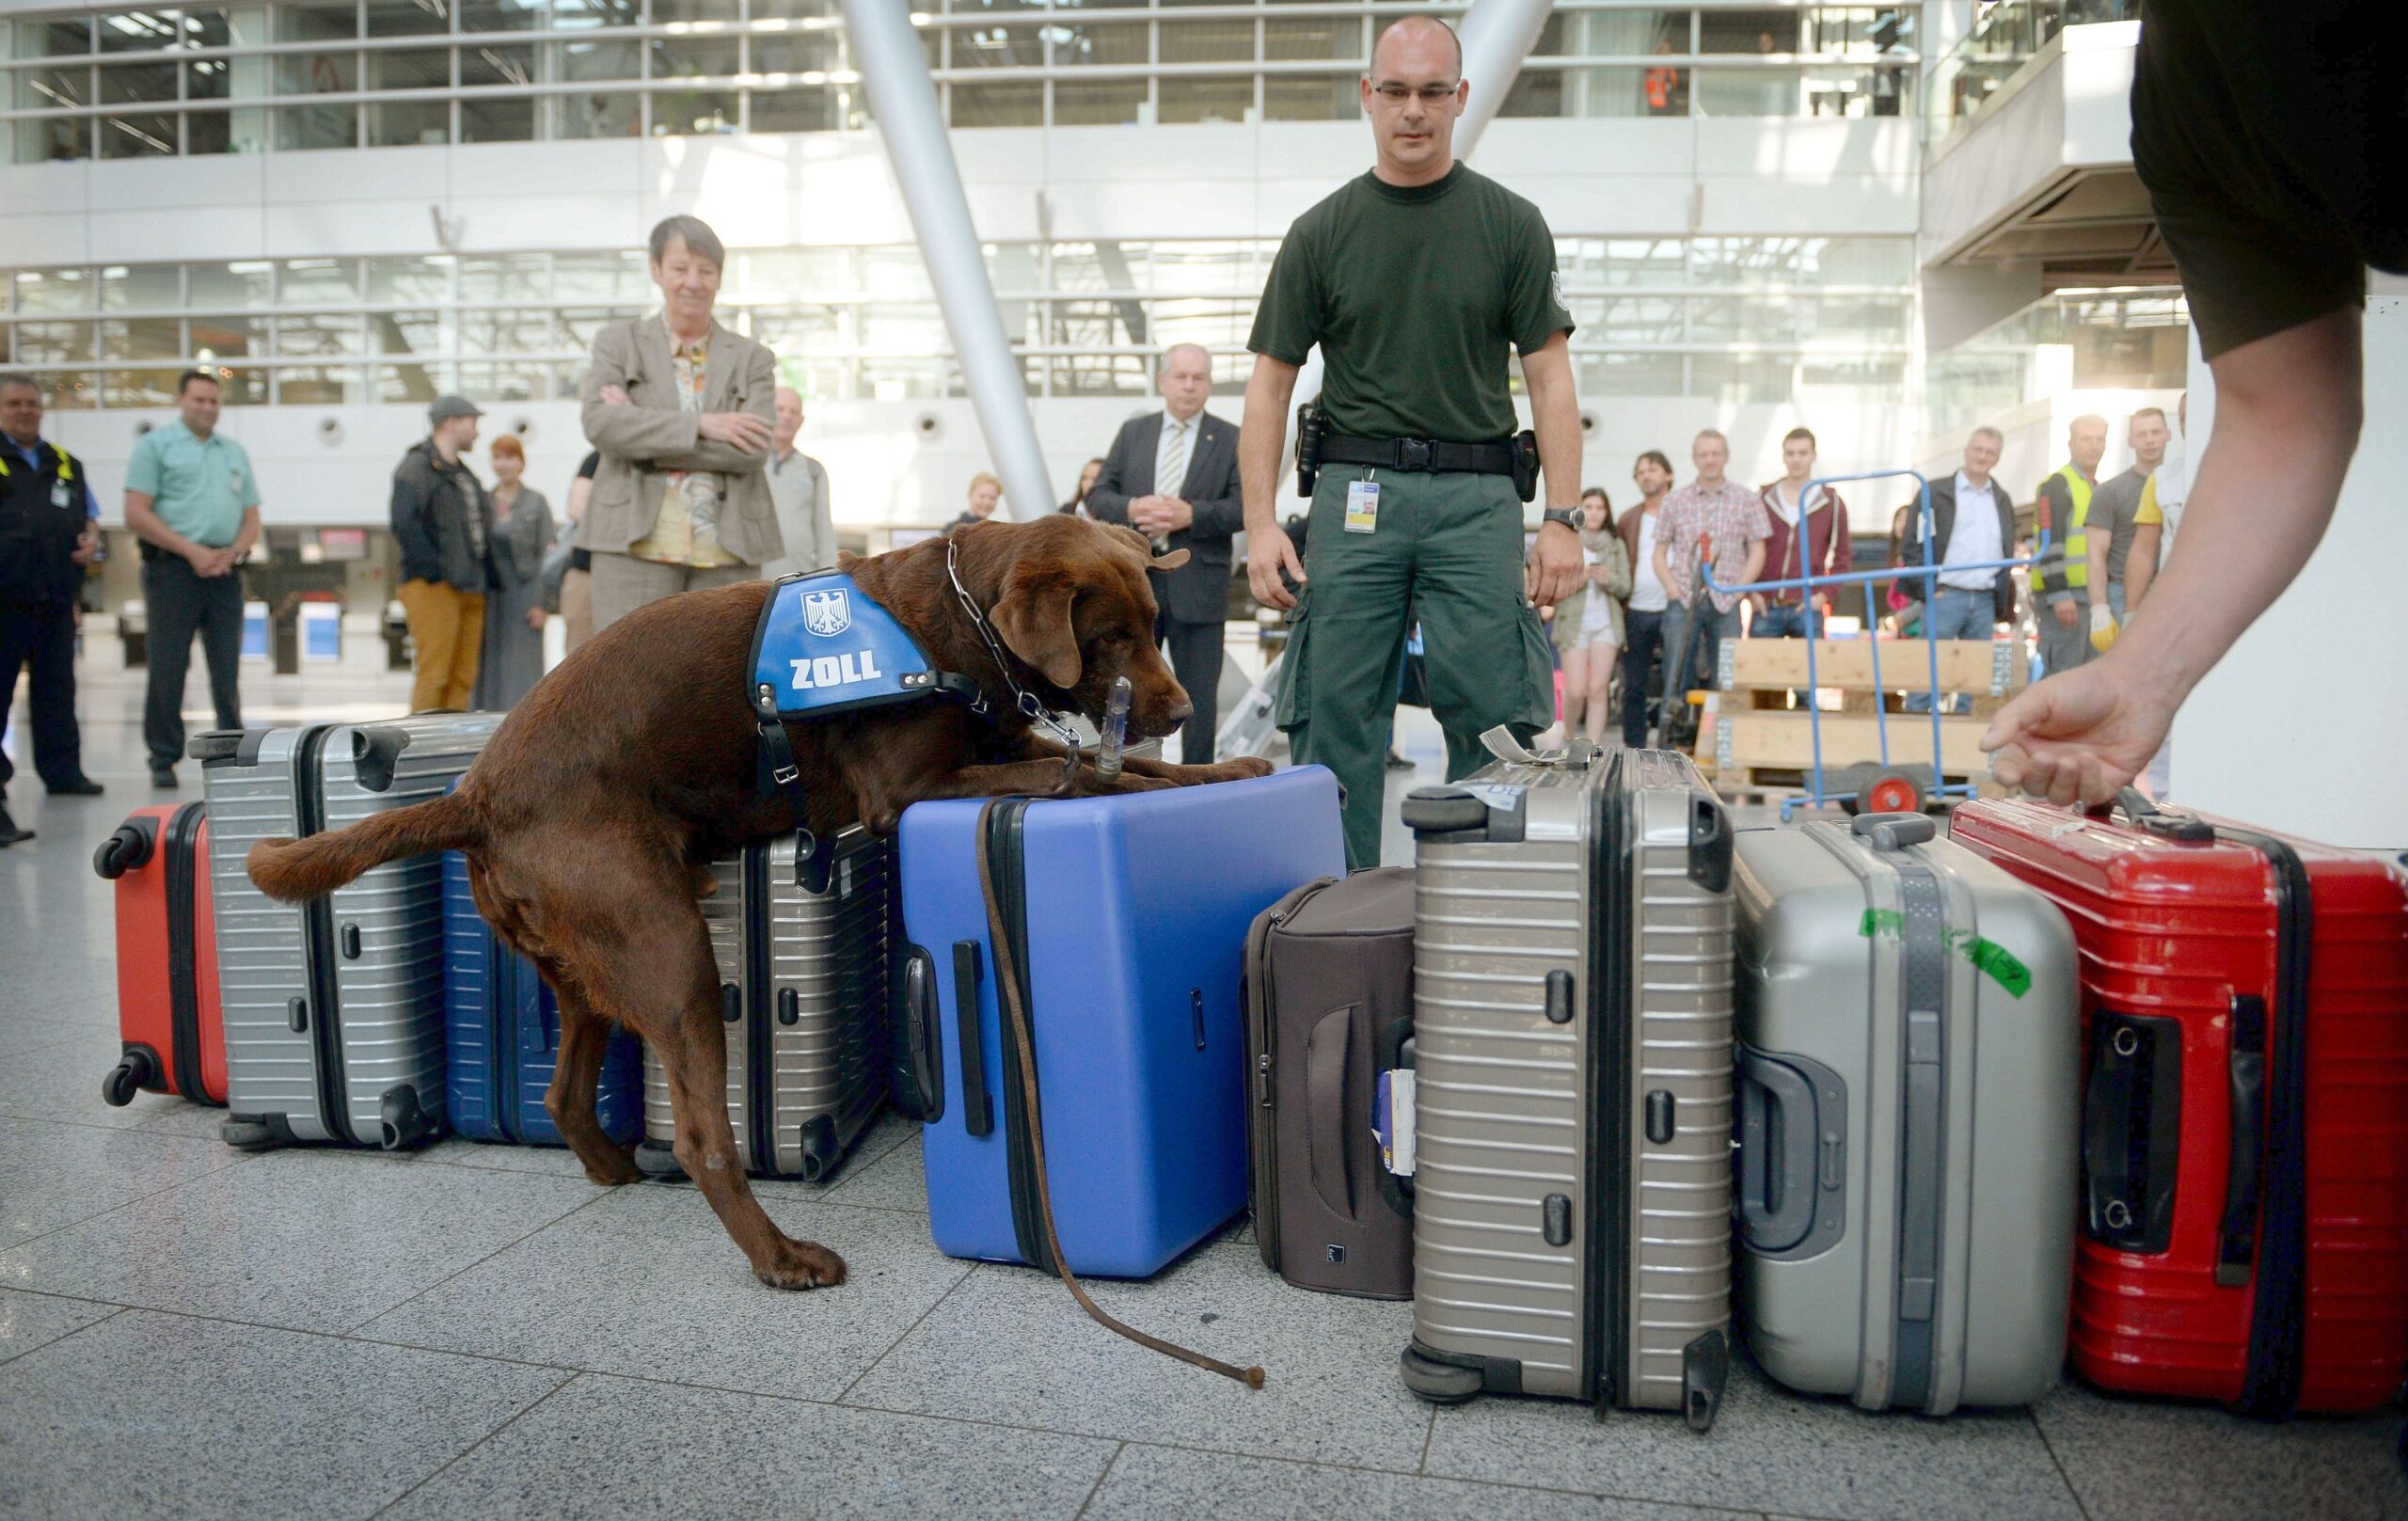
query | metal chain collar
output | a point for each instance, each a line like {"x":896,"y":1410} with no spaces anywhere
{"x":1025,"y":700}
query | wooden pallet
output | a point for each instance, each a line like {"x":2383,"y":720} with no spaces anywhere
{"x":1982,"y":668}
{"x":1785,"y":740}
{"x":1773,"y":784}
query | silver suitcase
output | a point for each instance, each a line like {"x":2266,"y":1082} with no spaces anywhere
{"x":334,"y":1009}
{"x":1910,"y":1082}
{"x":1572,"y":1020}
{"x":804,"y":986}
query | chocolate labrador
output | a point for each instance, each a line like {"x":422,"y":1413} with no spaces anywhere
{"x":590,"y":819}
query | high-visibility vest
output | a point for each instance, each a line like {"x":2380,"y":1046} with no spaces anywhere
{"x":2073,"y":548}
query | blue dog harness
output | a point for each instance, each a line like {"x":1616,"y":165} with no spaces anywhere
{"x":823,"y":647}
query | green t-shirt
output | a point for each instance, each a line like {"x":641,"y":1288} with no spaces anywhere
{"x":1413,"y":295}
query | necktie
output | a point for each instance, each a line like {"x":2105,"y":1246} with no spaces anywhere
{"x":1173,"y":475}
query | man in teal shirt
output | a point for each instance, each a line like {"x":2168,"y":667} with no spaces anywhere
{"x":193,"y":500}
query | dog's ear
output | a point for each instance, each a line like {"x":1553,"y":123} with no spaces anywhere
{"x":1033,"y":619}
{"x":847,"y":559}
{"x":1170,"y":561}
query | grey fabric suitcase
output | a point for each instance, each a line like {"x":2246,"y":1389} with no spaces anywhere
{"x":804,"y":988}
{"x":1571,"y":1025}
{"x":1910,"y":1082}
{"x":1328,"y":1013}
{"x":334,"y":1009}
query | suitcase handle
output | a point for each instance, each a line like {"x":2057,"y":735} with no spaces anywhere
{"x":1329,"y":1051}
{"x":919,"y":1072}
{"x":2183,"y":829}
{"x":977,"y":1112}
{"x":2132,"y":1131}
{"x":2237,"y":1233}
{"x":1394,"y":1053}
{"x":1777,"y":1151}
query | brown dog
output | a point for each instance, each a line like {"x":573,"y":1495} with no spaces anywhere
{"x":590,"y":820}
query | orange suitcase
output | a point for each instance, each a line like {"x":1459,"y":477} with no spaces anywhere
{"x":167,"y":957}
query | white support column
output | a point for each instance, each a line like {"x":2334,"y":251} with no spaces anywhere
{"x":903,"y":100}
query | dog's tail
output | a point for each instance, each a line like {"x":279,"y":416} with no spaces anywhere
{"x":295,"y":871}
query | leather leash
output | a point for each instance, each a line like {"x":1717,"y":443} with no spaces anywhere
{"x":1016,"y":1018}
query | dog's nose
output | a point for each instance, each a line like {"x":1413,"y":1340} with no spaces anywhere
{"x":1178,"y":712}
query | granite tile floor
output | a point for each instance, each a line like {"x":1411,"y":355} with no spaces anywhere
{"x":186,"y":1330}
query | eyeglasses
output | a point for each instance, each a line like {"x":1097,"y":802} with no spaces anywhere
{"x":1432,"y":96}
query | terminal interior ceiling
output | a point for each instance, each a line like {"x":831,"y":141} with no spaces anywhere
{"x":382,"y":201}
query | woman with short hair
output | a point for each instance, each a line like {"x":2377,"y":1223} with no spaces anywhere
{"x":985,"y":493}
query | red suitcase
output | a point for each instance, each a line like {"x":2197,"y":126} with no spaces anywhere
{"x":2234,"y":983}
{"x":167,"y":957}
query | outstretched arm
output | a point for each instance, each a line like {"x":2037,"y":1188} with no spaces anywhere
{"x":2288,"y":412}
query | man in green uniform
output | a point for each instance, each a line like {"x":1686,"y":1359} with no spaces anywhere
{"x":1413,"y":280}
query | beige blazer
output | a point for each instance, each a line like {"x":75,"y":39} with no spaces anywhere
{"x":653,"y":434}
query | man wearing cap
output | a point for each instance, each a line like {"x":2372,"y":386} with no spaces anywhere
{"x":191,"y":499}
{"x":443,"y":521}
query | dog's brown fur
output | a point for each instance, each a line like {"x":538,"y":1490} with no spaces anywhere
{"x":590,"y":820}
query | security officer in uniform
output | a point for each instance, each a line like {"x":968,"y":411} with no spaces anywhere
{"x":1413,"y":280}
{"x":46,"y":539}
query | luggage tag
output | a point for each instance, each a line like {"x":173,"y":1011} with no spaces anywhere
{"x":1392,"y":1120}
{"x":1362,"y":506}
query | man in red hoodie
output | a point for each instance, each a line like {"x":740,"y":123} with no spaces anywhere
{"x":1809,"y":538}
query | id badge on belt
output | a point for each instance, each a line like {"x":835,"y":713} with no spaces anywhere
{"x":1362,"y":506}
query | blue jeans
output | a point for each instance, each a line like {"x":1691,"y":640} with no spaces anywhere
{"x":1956,"y":612}
{"x":1783,"y":620}
{"x":1704,"y":647}
{"x":1642,"y":643}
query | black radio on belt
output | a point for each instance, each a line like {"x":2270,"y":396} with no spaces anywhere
{"x":1309,"y":422}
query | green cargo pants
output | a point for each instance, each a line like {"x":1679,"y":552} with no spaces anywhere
{"x":1448,"y":551}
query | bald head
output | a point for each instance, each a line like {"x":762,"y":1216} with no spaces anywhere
{"x":788,"y":420}
{"x":1415,"y":32}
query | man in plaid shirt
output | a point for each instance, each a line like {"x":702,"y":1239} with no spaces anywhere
{"x":1730,"y":516}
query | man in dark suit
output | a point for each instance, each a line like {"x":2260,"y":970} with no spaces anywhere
{"x":1173,"y":476}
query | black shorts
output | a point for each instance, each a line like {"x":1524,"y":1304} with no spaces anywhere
{"x":2271,"y":139}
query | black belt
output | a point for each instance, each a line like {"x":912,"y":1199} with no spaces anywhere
{"x":1432,"y":455}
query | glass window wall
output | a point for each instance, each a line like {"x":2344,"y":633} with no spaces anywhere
{"x":348,"y":73}
{"x":1725,"y":317}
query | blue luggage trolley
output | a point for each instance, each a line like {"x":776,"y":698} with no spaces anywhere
{"x":1888,"y":788}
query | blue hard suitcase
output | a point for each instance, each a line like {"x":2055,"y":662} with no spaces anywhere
{"x":502,"y":1033}
{"x":1129,"y":917}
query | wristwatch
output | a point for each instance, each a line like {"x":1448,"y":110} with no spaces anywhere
{"x":1565,"y":515}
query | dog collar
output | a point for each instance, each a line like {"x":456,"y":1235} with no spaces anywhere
{"x":1026,"y":701}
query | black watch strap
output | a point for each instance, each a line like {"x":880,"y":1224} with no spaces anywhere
{"x":1561,"y":514}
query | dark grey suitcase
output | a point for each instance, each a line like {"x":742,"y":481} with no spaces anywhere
{"x":334,"y":1009}
{"x":1329,"y":1012}
{"x":803,"y":974}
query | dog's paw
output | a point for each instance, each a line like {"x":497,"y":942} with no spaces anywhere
{"x":802,"y":1265}
{"x":619,"y":1167}
{"x":1239,"y":769}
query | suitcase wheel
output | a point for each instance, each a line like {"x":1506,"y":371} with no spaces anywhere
{"x":121,"y":852}
{"x":1440,"y":1383}
{"x":1890,"y":791}
{"x":402,"y":1120}
{"x":246,"y":1135}
{"x":655,"y":1160}
{"x":1706,"y":1367}
{"x":138,"y":1071}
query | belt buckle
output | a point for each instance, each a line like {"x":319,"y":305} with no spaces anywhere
{"x":1412,"y":454}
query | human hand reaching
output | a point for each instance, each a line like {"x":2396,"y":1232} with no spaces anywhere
{"x":1269,"y":557}
{"x":2082,"y":735}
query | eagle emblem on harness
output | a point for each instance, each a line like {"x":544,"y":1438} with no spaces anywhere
{"x":827,"y":612}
